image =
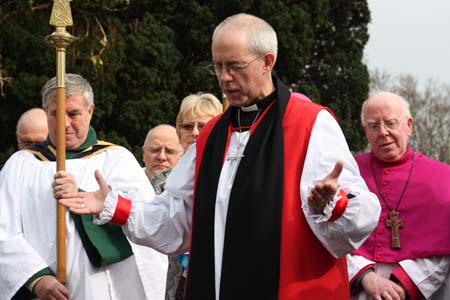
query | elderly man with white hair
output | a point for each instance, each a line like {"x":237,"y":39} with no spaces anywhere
{"x":408,"y":254}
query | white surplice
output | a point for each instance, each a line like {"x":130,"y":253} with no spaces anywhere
{"x":28,"y":229}
{"x":164,"y":224}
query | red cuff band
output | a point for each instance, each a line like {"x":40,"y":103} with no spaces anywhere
{"x":402,"y":277}
{"x":122,"y":212}
{"x":340,"y":207}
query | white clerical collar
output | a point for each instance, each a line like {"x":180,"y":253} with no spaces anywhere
{"x":252,"y":107}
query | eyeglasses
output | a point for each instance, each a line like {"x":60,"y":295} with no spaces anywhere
{"x":374,"y":127}
{"x":189,"y":127}
{"x":158,"y":150}
{"x":231,"y":68}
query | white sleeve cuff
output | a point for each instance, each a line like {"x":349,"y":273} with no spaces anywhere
{"x":109,"y":209}
{"x":327,"y":211}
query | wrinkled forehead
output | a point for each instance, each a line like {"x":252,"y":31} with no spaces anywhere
{"x":384,"y":108}
{"x":163,"y":140}
{"x":229,"y":45}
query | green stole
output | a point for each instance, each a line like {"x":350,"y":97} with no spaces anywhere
{"x":105,"y":244}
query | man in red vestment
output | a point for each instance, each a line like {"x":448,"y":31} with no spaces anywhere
{"x":268,"y":201}
{"x":407,"y":255}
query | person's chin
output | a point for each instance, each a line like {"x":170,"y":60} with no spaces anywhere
{"x":388,"y":155}
{"x":72,"y":145}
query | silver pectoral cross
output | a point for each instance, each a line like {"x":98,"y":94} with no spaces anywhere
{"x":236,"y":156}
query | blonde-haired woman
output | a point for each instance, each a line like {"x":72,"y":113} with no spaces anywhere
{"x":195,"y":111}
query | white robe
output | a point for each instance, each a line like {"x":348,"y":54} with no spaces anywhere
{"x":28,"y":227}
{"x":430,"y":274}
{"x":165,"y":223}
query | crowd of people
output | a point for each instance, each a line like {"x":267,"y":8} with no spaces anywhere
{"x":261,"y":201}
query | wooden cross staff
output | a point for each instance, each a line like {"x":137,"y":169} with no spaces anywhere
{"x":61,"y":39}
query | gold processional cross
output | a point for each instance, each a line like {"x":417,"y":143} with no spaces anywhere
{"x":394,"y":223}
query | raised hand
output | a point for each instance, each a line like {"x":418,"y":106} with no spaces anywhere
{"x":84,"y":203}
{"x":325,"y":189}
{"x":49,"y":288}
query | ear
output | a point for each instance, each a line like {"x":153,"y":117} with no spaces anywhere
{"x":409,"y":123}
{"x":91,"y":110}
{"x":269,"y":61}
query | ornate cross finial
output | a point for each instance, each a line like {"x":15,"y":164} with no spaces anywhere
{"x":61,"y":14}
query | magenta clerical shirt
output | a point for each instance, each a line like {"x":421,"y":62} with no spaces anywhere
{"x":424,"y":209}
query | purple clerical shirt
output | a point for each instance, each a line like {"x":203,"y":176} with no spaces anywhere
{"x":424,"y":209}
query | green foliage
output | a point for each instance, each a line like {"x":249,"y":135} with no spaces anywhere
{"x":142,"y":57}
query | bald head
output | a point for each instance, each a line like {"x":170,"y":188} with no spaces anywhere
{"x":386,"y":98}
{"x":162,"y":149}
{"x":31,"y":128}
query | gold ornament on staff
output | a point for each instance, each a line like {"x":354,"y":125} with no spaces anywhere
{"x":61,"y":39}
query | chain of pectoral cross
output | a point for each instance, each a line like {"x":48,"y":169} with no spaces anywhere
{"x":394,"y":222}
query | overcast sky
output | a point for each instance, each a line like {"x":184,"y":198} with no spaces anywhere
{"x":410,"y":36}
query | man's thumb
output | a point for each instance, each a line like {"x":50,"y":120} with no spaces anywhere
{"x":104,"y":186}
{"x":337,"y":170}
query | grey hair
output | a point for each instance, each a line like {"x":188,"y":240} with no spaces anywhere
{"x":403,"y":102}
{"x":261,"y":37}
{"x":76,"y":85}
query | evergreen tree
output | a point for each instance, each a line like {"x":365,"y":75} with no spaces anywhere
{"x":143,"y":57}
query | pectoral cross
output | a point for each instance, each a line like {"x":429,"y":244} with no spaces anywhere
{"x":236,"y":156}
{"x":394,"y":223}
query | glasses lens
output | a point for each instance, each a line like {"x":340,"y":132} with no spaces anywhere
{"x":200,"y":126}
{"x":391,"y":124}
{"x":213,"y":69}
{"x":187,"y":127}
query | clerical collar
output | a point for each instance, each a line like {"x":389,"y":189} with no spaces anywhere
{"x":253,"y":107}
{"x":261,"y":104}
{"x":248,"y":113}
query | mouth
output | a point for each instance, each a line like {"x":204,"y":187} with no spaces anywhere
{"x":231,"y":92}
{"x":159,"y":167}
{"x":385,"y":145}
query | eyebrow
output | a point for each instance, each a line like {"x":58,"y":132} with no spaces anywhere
{"x":228,"y":62}
{"x":160,"y":147}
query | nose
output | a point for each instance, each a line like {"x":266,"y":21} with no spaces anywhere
{"x":66,"y":121}
{"x":383,"y":130}
{"x":162,"y":155}
{"x":224,"y":75}
{"x":195,"y":131}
